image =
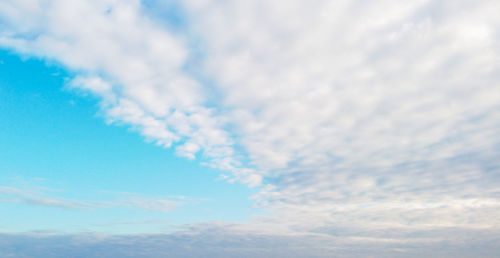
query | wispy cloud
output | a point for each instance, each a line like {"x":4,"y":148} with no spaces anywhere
{"x":15,"y":195}
{"x":129,"y":200}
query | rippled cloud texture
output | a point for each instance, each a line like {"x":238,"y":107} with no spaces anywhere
{"x":361,"y":122}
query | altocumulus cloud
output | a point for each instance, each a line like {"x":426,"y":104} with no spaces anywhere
{"x":354,"y":118}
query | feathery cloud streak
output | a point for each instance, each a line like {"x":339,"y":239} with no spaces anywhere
{"x":10,"y":194}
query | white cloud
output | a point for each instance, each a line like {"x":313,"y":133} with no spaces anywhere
{"x":16,"y":195}
{"x":380,"y":114}
{"x":366,"y":112}
{"x":132,"y":63}
{"x":40,"y":197}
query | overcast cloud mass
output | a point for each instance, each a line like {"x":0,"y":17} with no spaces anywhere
{"x":369,"y":127}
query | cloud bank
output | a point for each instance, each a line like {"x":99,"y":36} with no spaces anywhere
{"x":230,"y":241}
{"x":371,"y":116}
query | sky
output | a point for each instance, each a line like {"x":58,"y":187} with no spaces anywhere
{"x":210,"y":128}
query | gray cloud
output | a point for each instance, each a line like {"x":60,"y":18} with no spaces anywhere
{"x":218,"y":240}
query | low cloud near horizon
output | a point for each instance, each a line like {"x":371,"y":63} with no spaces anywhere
{"x":356,"y":120}
{"x":231,"y":240}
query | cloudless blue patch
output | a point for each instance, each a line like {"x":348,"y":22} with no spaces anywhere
{"x":169,"y":13}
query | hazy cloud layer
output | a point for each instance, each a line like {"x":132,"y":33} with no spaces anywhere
{"x":368,"y":115}
{"x":229,"y":241}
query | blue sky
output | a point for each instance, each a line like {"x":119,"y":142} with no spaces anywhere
{"x":249,"y":128}
{"x":54,"y":140}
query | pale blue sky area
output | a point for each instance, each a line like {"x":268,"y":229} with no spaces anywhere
{"x":53,"y":137}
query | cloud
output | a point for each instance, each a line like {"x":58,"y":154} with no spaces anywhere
{"x":135,"y":66}
{"x":378,"y":115}
{"x":16,"y":195}
{"x":129,"y":200}
{"x":226,"y":240}
{"x":373,"y":116}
